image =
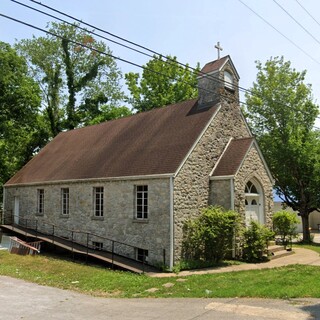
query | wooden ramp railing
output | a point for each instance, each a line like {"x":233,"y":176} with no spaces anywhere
{"x":32,"y":229}
{"x":23,"y":248}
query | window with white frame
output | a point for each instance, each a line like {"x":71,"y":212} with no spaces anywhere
{"x":40,"y":201}
{"x":141,"y":202}
{"x":251,"y":188}
{"x":98,"y":201}
{"x":65,"y":201}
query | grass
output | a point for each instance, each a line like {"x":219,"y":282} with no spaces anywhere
{"x":285,"y":282}
{"x":312,"y":246}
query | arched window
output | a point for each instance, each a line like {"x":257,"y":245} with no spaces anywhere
{"x":251,"y":188}
{"x":254,"y":202}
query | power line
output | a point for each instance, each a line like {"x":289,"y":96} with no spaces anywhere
{"x":123,"y":39}
{"x":296,"y":21}
{"x":316,"y":21}
{"x":101,"y":52}
{"x":84,"y":29}
{"x":283,"y":35}
{"x":95,"y":50}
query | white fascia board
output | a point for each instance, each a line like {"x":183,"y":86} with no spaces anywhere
{"x":197,"y":141}
{"x":245,"y":122}
{"x":223,"y":152}
{"x":171,"y":224}
{"x":254,"y":143}
{"x":218,"y":70}
{"x":212,"y":73}
{"x":93,"y":180}
{"x":264,"y":161}
{"x":233,"y":67}
{"x":245,"y":156}
{"x":222,"y":177}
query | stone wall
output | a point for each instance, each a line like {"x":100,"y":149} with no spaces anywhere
{"x":253,"y":168}
{"x":118,"y":221}
{"x":191,"y":185}
{"x":220,"y":194}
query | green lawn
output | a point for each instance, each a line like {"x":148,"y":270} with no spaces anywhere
{"x":312,"y":246}
{"x":287,"y":282}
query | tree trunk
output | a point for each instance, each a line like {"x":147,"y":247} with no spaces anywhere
{"x":305,"y":226}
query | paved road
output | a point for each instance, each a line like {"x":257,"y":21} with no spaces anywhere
{"x":27,"y":301}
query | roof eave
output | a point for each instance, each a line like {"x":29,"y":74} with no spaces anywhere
{"x":92,"y":180}
{"x":219,"y":160}
{"x":254,"y":143}
{"x":228,"y":177}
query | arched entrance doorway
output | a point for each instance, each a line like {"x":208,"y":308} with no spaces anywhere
{"x":254,"y":202}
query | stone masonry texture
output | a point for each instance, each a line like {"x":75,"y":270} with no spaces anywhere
{"x":118,"y":222}
{"x":191,"y":186}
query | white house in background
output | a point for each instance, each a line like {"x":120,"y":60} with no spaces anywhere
{"x":314,"y":217}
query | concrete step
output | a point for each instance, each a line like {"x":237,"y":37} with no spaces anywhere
{"x":280,"y":254}
{"x":275,"y":248}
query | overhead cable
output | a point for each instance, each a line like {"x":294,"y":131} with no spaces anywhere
{"x":282,"y":34}
{"x":296,"y":21}
{"x":123,"y":39}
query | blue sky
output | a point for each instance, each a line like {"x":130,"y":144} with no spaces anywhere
{"x":189,"y":30}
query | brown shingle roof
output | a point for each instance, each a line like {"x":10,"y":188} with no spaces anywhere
{"x":214,"y":65}
{"x":232,"y":158}
{"x":154,"y":142}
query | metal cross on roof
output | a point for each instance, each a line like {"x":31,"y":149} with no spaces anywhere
{"x":219,"y":48}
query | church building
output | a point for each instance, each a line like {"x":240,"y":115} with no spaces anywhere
{"x":137,"y":179}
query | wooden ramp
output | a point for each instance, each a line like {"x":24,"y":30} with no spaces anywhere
{"x":105,"y":256}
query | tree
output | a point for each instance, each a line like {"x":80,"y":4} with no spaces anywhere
{"x":281,"y":114}
{"x":20,"y":126}
{"x":285,"y":225}
{"x":79,"y":85}
{"x":163,"y":82}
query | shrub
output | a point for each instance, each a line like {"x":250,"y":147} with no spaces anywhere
{"x":284,"y":225}
{"x":210,"y":236}
{"x":255,"y":242}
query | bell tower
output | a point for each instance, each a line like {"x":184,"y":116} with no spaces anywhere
{"x":217,"y":80}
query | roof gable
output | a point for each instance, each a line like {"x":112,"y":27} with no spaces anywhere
{"x":232,"y":157}
{"x":218,"y":65}
{"x":150,"y":143}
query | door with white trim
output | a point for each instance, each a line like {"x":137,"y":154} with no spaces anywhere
{"x":254,"y":203}
{"x":252,"y":209}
